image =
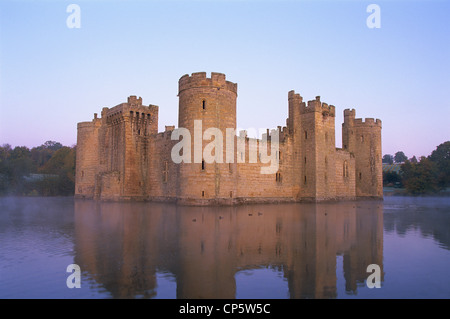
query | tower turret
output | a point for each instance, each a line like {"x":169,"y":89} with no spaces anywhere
{"x":87,"y":158}
{"x":206,"y":103}
{"x":363,"y":140}
{"x":318,"y":149}
{"x":295,"y":131}
{"x":348,"y":130}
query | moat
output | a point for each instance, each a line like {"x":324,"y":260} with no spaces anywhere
{"x":153,"y":250}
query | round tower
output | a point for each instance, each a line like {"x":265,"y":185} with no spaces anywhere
{"x":208,"y":105}
{"x":87,"y":158}
{"x":367,"y":151}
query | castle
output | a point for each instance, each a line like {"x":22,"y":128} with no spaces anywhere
{"x":122,"y":156}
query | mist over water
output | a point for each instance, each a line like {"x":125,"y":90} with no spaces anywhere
{"x":158,"y":250}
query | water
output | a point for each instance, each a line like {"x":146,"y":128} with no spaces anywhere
{"x":154,"y":250}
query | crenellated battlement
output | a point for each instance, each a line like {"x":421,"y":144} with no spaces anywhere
{"x":349,"y":118}
{"x":295,"y":96}
{"x":200,"y":79}
{"x":329,"y":110}
{"x":368,"y":122}
{"x":134,"y":101}
{"x":349,"y":114}
{"x":133,"y":108}
{"x":166,"y":134}
{"x":317,"y":106}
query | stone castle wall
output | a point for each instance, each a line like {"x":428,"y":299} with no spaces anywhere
{"x":122,"y":156}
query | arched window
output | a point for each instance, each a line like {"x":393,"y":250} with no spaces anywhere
{"x":204,"y":104}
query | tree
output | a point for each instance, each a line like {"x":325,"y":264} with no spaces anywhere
{"x":62,"y":161}
{"x":54,"y":163}
{"x":388,"y":159}
{"x":400,"y":157}
{"x":52,"y":145}
{"x":420,"y":178}
{"x":60,"y":173}
{"x":5,"y":153}
{"x":18,"y":165}
{"x":391,"y":178}
{"x":441,"y":157}
{"x":413,"y":159}
{"x":41,"y":154}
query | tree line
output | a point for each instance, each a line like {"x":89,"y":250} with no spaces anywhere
{"x":426,"y":175}
{"x":46,"y":170}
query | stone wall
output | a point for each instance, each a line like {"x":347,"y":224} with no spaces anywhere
{"x":363,"y":140}
{"x":122,"y":156}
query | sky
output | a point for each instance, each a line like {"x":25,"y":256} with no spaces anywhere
{"x":53,"y":76}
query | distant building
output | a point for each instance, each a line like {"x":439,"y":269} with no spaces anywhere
{"x":121,"y":156}
{"x":392,"y":167}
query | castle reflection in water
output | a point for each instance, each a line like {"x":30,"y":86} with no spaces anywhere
{"x":123,"y":245}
